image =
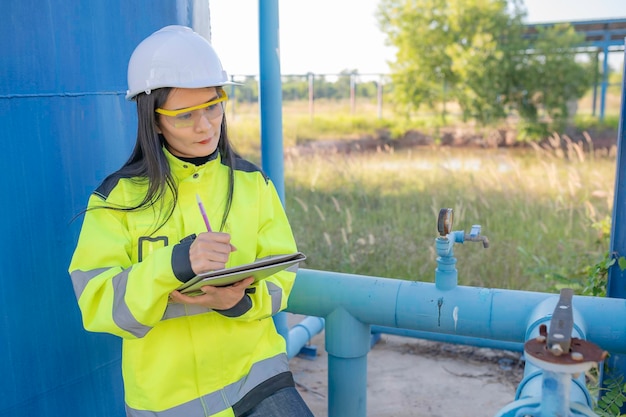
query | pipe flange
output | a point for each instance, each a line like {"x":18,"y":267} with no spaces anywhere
{"x":582,"y":355}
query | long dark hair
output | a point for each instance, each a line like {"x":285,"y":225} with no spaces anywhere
{"x":147,"y":162}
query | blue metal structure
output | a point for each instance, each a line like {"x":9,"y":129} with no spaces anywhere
{"x":617,"y":276}
{"x":66,"y":125}
{"x":271,"y":97}
{"x":271,"y":94}
{"x":604,"y":36}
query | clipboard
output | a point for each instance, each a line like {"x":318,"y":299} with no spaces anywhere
{"x":227,"y":276}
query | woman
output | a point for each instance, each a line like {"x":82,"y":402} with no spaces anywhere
{"x":143,"y":236}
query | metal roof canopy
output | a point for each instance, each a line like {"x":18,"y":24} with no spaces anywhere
{"x":598,"y":33}
{"x":606,"y":35}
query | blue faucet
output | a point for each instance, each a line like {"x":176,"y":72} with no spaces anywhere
{"x":446,"y":274}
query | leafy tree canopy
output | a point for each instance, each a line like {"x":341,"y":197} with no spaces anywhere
{"x":475,"y":53}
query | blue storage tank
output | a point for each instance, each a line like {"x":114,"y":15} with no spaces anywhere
{"x":65,"y":125}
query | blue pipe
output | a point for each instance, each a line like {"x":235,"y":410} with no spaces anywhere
{"x":542,"y":315}
{"x":555,"y":389}
{"x":446,"y":274}
{"x":540,"y":391}
{"x":468,"y":311}
{"x":451,"y":338}
{"x":270,"y":95}
{"x":347,"y":363}
{"x":301,"y":334}
{"x":270,"y":107}
{"x":528,"y":407}
{"x":351,"y":303}
{"x":535,"y":380}
{"x":446,"y":278}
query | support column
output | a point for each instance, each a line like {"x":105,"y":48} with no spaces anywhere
{"x":347,"y":344}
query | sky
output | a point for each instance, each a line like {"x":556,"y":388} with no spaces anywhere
{"x":329,"y":36}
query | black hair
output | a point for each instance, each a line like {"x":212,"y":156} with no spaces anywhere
{"x":147,"y":162}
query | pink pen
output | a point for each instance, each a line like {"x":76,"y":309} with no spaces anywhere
{"x":203,"y":212}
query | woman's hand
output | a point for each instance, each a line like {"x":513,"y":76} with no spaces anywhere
{"x":210,"y":251}
{"x":216,"y":298}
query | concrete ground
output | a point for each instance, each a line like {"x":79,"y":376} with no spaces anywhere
{"x":409,"y":377}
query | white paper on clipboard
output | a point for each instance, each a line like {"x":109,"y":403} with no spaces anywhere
{"x":259,"y":270}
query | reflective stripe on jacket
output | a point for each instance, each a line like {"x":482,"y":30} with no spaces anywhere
{"x":178,"y":358}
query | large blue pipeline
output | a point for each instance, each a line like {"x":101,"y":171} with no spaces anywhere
{"x":355,"y":306}
{"x":66,"y":125}
{"x":351,"y":304}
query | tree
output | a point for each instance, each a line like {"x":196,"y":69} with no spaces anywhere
{"x":553,"y":75}
{"x":247,"y":91}
{"x":475,"y":52}
{"x":295,"y":87}
{"x":418,"y":29}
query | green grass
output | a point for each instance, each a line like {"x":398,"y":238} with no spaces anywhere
{"x":340,"y":120}
{"x":588,"y":122}
{"x":328,"y":120}
{"x":376,"y":214}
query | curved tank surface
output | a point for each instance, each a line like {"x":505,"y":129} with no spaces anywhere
{"x":66,"y":125}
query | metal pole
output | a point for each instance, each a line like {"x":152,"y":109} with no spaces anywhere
{"x":270,"y":106}
{"x":353,"y":93}
{"x":232,"y":98}
{"x":270,"y":95}
{"x":616,"y":286}
{"x":617,"y":277}
{"x":380,"y":96}
{"x":605,"y":79}
{"x":311,"y":95}
{"x":595,"y":84}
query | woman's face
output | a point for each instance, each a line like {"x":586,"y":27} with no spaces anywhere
{"x":193,"y":133}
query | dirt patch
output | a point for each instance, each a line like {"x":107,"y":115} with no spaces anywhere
{"x":454,"y":137}
{"x":409,"y":377}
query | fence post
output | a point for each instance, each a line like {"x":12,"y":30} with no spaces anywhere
{"x":311,"y":95}
{"x":380,"y":96}
{"x":353,"y":93}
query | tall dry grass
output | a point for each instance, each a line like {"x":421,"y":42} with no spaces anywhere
{"x":376,"y":213}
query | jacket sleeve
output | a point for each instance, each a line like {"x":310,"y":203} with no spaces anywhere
{"x":274,"y":237}
{"x":114,"y":294}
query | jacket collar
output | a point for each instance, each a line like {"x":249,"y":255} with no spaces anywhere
{"x":183,"y":169}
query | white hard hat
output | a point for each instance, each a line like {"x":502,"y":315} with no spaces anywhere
{"x":174,"y":56}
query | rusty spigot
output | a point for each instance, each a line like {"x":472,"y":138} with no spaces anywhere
{"x":474,"y":236}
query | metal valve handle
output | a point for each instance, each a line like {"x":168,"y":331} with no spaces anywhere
{"x":444,"y":221}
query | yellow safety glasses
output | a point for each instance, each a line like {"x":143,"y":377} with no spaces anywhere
{"x":189,"y":116}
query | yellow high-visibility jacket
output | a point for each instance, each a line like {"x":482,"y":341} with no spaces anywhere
{"x":179,"y":360}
